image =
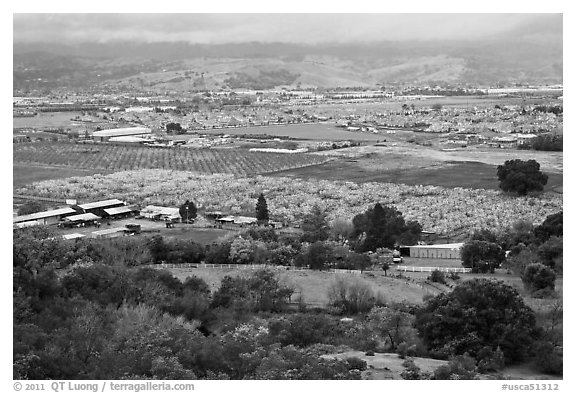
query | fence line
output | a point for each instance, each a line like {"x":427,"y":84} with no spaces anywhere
{"x":243,"y":266}
{"x":431,"y":269}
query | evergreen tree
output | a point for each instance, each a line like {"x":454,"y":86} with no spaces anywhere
{"x":262,"y":209}
{"x":188,"y":210}
{"x":315,"y":226}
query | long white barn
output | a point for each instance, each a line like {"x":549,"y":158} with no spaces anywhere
{"x":440,"y":251}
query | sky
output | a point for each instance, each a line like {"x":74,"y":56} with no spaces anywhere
{"x":210,"y":28}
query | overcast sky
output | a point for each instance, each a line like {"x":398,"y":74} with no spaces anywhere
{"x":298,"y":28}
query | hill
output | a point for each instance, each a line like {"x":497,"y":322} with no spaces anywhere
{"x":524,"y":58}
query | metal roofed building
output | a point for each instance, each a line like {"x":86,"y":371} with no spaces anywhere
{"x":161,"y":213}
{"x":98,"y":207}
{"x":104,"y":135}
{"x":440,"y":251}
{"x":120,"y":211}
{"x":83,"y":217}
{"x":46,"y":217}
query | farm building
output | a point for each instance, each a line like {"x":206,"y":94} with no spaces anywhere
{"x":238,"y":220}
{"x":118,"y":132}
{"x":161,"y":213}
{"x":72,"y":236}
{"x":109,"y":233}
{"x":120,"y":212}
{"x":98,"y":207}
{"x":81,"y":219}
{"x":446,"y":251}
{"x":128,"y":140}
{"x":47,"y":217}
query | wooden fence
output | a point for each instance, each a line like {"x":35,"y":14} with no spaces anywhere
{"x":242,"y":266}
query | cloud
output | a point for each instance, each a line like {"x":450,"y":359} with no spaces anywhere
{"x":296,"y":28}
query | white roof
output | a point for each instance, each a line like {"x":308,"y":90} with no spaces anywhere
{"x":128,"y":138}
{"x":70,"y":236}
{"x":161,"y":210}
{"x":108,"y":231}
{"x":451,"y":246}
{"x":122,"y":132}
{"x":118,"y":210}
{"x":46,"y":214}
{"x":83,"y":217}
{"x":245,"y":220}
{"x":94,"y":205}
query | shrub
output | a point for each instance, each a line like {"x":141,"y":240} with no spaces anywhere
{"x":350,"y":295}
{"x":547,"y":359}
{"x":355,"y":363}
{"x":459,"y":367}
{"x":536,"y":277}
{"x":490,"y":360}
{"x":437,"y":276}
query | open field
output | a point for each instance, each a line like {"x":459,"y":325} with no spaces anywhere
{"x":46,"y":119}
{"x":313,"y":285}
{"x":449,"y":174}
{"x":26,"y":174}
{"x":120,"y":158}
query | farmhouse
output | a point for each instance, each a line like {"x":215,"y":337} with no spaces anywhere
{"x":447,"y":251}
{"x":47,"y":217}
{"x":117,"y":132}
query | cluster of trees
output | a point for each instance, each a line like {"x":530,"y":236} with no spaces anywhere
{"x":175,"y":128}
{"x":534,"y":253}
{"x":547,"y":143}
{"x":521,"y":177}
{"x":84,"y":311}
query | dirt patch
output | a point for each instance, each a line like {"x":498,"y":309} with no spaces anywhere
{"x":387,"y":365}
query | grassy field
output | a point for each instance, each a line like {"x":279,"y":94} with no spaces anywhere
{"x":450,"y":174}
{"x":313,"y":285}
{"x":46,"y":119}
{"x":26,"y":174}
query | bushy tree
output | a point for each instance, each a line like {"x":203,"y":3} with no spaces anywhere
{"x":383,"y":226}
{"x":481,"y":256}
{"x":317,"y":256}
{"x":536,"y":276}
{"x":476,"y":314}
{"x":521,"y":177}
{"x":188,"y":211}
{"x":351,"y":295}
{"x":552,"y":226}
{"x":262,"y":209}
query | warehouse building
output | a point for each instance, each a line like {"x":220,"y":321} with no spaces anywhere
{"x":99,"y":207}
{"x":47,"y":217}
{"x":105,"y":135}
{"x":440,"y":251}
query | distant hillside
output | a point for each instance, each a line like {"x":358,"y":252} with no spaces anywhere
{"x":524,"y":58}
